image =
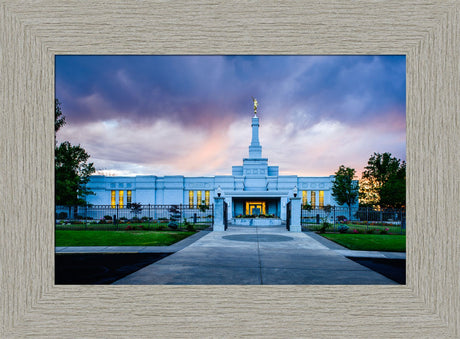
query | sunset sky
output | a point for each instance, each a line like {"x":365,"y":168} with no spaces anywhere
{"x":191,"y":115}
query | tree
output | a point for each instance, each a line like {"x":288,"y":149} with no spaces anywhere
{"x":383,"y":174}
{"x":344,"y":188}
{"x":59,"y":118}
{"x":393,"y":191}
{"x":136,"y":208}
{"x":368,"y":195}
{"x":72,"y":170}
{"x":72,"y":173}
{"x":202,"y":206}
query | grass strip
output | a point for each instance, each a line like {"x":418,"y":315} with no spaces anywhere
{"x":370,"y":242}
{"x":119,"y":238}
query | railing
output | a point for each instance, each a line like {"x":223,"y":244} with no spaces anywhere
{"x":358,"y":220}
{"x":134,"y":217}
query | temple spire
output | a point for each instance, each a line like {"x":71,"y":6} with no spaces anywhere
{"x":255,"y":149}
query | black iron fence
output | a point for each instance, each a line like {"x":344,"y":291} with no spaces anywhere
{"x":356,"y":220}
{"x":134,"y":217}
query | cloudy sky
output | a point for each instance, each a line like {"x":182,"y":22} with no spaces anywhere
{"x":191,"y":115}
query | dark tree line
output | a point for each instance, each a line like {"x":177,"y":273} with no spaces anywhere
{"x":383,"y":183}
{"x":387,"y":176}
{"x":72,"y":170}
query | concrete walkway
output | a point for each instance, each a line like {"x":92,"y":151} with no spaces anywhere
{"x":255,"y":256}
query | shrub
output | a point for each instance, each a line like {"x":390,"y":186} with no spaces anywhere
{"x":370,"y":231}
{"x":203,"y":207}
{"x":123,"y":219}
{"x":341,"y":218}
{"x":385,"y":231}
{"x":307,"y":207}
{"x":325,"y":225}
{"x":342,"y":228}
{"x":145,"y":218}
{"x":190,"y":227}
{"x":172,"y":225}
{"x":107,"y":217}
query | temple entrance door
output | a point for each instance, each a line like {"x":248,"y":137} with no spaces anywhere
{"x":255,"y":207}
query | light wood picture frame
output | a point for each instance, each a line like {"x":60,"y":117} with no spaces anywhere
{"x":33,"y":32}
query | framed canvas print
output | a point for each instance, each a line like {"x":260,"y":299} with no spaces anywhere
{"x":33,"y":33}
{"x":167,"y":145}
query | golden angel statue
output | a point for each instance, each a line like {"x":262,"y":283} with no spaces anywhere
{"x":255,"y":104}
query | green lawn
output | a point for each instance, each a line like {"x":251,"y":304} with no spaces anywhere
{"x":119,"y":238}
{"x":370,"y":242}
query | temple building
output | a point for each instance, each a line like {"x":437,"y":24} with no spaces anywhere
{"x":253,"y":188}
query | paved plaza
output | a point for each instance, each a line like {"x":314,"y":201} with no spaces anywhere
{"x":257,"y":256}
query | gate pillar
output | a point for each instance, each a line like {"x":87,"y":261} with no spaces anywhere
{"x":294,"y":225}
{"x":219,"y":222}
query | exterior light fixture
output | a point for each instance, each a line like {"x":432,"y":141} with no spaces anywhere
{"x":219,"y":191}
{"x":295,"y":191}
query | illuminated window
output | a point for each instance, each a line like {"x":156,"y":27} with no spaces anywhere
{"x":304,"y":197}
{"x":321,"y":199}
{"x":198,"y":198}
{"x":190,"y":198}
{"x":313,"y":198}
{"x":128,"y":198}
{"x":112,"y":201}
{"x":120,"y":199}
{"x":206,"y":197}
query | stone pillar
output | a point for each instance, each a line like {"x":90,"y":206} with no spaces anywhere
{"x":218,"y":214}
{"x":295,"y":215}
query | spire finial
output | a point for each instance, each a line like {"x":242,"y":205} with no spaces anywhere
{"x":254,"y":100}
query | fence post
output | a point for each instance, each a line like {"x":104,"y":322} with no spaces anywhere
{"x":333,"y":208}
{"x":148,"y":220}
{"x":367,"y":219}
{"x":115,"y":221}
{"x":180,"y":216}
{"x":403,"y":220}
